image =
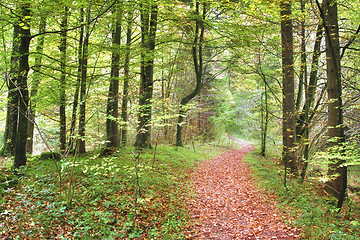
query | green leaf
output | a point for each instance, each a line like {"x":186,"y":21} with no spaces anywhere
{"x":355,"y":223}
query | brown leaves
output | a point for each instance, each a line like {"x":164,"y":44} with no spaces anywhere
{"x":228,"y":205}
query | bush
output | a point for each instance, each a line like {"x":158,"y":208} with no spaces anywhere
{"x":49,"y":156}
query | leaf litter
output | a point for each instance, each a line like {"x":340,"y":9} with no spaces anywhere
{"x":227,"y":204}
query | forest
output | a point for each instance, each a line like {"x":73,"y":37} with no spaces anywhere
{"x":111,"y":112}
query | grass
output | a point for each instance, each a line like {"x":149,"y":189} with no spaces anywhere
{"x":93,"y":197}
{"x":307,"y":205}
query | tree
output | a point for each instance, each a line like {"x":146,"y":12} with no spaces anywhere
{"x":62,"y":105}
{"x":264,"y":113}
{"x":288,"y":128}
{"x":112,"y":129}
{"x":149,"y":13}
{"x":83,"y":67}
{"x":125,"y":95}
{"x":197,"y":55}
{"x":22,"y":88}
{"x":35,"y":85}
{"x":12,"y":105}
{"x":303,"y":64}
{"x":78,"y":81}
{"x":304,"y":119}
{"x":336,"y":170}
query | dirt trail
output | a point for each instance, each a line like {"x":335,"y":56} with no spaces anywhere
{"x":228,"y":205}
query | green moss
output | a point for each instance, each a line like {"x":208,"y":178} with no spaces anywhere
{"x":49,"y":156}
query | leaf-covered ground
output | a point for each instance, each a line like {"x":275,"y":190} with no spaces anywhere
{"x":228,"y":205}
{"x":34,"y":204}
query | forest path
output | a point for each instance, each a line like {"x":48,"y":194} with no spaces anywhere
{"x":228,"y":204}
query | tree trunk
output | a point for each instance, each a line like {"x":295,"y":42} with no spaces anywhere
{"x":197,"y":54}
{"x":264,"y":121}
{"x":303,"y":65}
{"x":21,"y":136}
{"x":78,"y":83}
{"x":62,"y":47}
{"x":13,"y":98}
{"x":149,"y":12}
{"x":264,"y":107}
{"x":112,"y":111}
{"x":35,"y":85}
{"x":337,"y":185}
{"x":289,"y":134}
{"x":304,"y":118}
{"x":312,"y":86}
{"x":124,"y":106}
{"x":84,"y":63}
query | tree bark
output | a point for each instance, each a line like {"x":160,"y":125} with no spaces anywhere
{"x":78,"y":83}
{"x":125,"y":97}
{"x":302,"y":129}
{"x":21,"y":136}
{"x":13,"y":97}
{"x":62,"y":47}
{"x":264,"y":121}
{"x":337,"y":172}
{"x":312,"y":86}
{"x":84,"y":63}
{"x":289,"y":135}
{"x":112,"y":126}
{"x":303,"y":65}
{"x":149,"y":12}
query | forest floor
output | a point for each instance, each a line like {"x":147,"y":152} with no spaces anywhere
{"x":228,"y":204}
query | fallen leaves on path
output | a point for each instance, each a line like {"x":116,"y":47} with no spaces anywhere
{"x":228,"y":205}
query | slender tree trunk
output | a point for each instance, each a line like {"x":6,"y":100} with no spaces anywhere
{"x":125,"y":98}
{"x":112,"y":128}
{"x":149,"y":12}
{"x":35,"y":85}
{"x":303,"y":65}
{"x":21,"y":137}
{"x":166,"y":83}
{"x":289,"y":134}
{"x":78,"y":83}
{"x":84,"y":63}
{"x":197,"y":54}
{"x":264,"y":108}
{"x":304,"y":118}
{"x":312,"y":86}
{"x":13,"y":97}
{"x":264,"y":121}
{"x":337,"y":185}
{"x":63,"y":45}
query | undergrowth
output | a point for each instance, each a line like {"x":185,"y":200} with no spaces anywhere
{"x":93,"y":197}
{"x":307,"y":204}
